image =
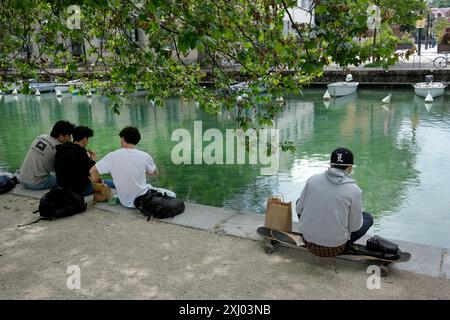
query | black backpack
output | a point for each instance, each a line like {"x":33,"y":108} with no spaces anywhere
{"x":7,"y":184}
{"x":60,"y":202}
{"x":379,"y":244}
{"x":159,"y":205}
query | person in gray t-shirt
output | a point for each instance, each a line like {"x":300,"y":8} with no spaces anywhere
{"x":36,"y":169}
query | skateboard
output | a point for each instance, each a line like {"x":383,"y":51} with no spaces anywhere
{"x":356,"y":252}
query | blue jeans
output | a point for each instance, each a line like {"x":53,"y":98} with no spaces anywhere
{"x":367,"y":223}
{"x":48,"y":183}
{"x":88,"y":191}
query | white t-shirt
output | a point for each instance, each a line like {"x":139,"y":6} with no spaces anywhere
{"x":128,"y":168}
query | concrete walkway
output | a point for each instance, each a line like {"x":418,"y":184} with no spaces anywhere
{"x":123,"y":256}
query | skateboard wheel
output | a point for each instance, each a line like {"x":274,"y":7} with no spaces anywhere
{"x":384,"y":271}
{"x":268,"y":247}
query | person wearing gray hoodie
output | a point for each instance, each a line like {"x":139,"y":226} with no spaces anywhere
{"x":330,"y":208}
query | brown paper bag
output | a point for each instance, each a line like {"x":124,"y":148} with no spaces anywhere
{"x":278,"y":215}
{"x":101,"y":192}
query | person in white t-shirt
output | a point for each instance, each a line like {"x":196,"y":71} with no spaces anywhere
{"x":129,"y":168}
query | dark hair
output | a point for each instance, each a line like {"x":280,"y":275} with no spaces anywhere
{"x":62,"y":127}
{"x":131,"y":135}
{"x":341,"y":158}
{"x":339,"y":167}
{"x":81,"y":132}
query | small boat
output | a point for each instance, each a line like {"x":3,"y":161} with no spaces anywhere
{"x":42,"y":87}
{"x":434,"y":89}
{"x":339,"y":89}
{"x":65,"y":87}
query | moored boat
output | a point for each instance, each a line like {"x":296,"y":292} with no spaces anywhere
{"x":343,"y":88}
{"x":435,"y":89}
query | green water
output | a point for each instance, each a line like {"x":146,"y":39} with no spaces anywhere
{"x":402,"y":152}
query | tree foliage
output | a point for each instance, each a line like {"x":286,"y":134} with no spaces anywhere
{"x":249,"y":33}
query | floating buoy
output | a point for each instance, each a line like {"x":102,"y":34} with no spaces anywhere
{"x":280,"y":99}
{"x":387,"y":100}
{"x":327,"y":104}
{"x":428,"y":106}
{"x":58,"y":93}
{"x":327,"y":95}
{"x":15,"y":91}
{"x":37,"y":93}
{"x":429,"y":97}
{"x":89,"y":94}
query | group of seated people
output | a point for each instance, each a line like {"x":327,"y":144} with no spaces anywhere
{"x":62,"y":159}
{"x":329,"y":208}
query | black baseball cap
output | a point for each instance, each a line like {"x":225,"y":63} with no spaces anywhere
{"x":342,"y":157}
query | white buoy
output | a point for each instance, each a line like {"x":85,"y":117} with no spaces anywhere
{"x":37,"y":93}
{"x":428,"y":106}
{"x":327,"y":104}
{"x":15,"y":91}
{"x":387,"y":100}
{"x":58,"y":93}
{"x":327,"y":95}
{"x":89,"y":94}
{"x":429,"y":97}
{"x":280,"y":99}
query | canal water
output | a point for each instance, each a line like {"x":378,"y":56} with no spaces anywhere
{"x":402,"y":151}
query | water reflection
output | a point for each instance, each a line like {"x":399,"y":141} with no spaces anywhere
{"x":400,"y":166}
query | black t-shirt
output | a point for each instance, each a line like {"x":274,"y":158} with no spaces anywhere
{"x":72,"y":165}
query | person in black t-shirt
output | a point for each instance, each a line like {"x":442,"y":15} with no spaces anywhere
{"x":73,"y":162}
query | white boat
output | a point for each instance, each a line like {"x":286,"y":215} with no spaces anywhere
{"x":343,"y":88}
{"x":42,"y":87}
{"x":65,"y":87}
{"x":435,"y":89}
{"x":62,"y":88}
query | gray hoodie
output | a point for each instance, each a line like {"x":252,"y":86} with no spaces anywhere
{"x":330,"y":207}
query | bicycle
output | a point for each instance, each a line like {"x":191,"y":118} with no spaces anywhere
{"x":441,"y":62}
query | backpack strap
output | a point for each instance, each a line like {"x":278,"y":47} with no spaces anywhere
{"x":30,"y":223}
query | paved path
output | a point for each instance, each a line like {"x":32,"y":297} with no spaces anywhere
{"x":120,"y":255}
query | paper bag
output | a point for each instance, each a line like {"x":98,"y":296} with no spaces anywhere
{"x":278,"y":215}
{"x":101,"y":192}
